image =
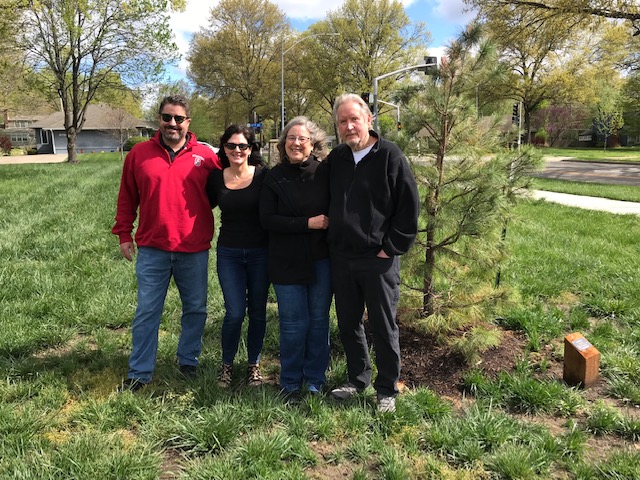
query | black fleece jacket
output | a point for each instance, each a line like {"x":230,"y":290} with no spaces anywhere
{"x":374,"y":204}
{"x":292,"y":193}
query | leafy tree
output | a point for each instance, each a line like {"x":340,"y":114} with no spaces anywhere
{"x":631,"y":103}
{"x":562,"y":123}
{"x":87,"y":45}
{"x":117,"y":95}
{"x":19,"y":90}
{"x":5,"y":145}
{"x":608,"y":118}
{"x":598,"y":8}
{"x":236,"y":59}
{"x":533,"y":45}
{"x":375,"y":37}
{"x":466,"y":194}
{"x":120,"y":125}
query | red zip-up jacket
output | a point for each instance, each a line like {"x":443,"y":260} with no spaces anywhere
{"x":174,"y":211}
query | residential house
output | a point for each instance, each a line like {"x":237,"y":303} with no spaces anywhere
{"x":18,"y":128}
{"x":105,"y":130}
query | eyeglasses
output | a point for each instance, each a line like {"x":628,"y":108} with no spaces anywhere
{"x":178,"y":118}
{"x":293,"y":138}
{"x":233,"y":146}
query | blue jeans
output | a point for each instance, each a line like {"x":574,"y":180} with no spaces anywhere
{"x":244,"y":280}
{"x":304,"y":330}
{"x":154,"y":269}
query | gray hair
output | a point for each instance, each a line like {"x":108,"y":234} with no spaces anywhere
{"x":318,"y":137}
{"x":350,"y":97}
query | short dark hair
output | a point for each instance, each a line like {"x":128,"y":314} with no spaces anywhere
{"x":175,"y":100}
{"x":255,"y":158}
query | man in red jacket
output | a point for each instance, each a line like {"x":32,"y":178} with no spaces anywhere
{"x":163,"y":185}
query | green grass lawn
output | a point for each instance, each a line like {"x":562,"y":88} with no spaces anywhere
{"x":66,"y":303}
{"x":626,"y":193}
{"x":621,"y":154}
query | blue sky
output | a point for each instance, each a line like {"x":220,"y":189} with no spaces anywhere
{"x":444,"y":19}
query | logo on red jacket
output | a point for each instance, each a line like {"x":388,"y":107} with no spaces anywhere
{"x":197,"y":160}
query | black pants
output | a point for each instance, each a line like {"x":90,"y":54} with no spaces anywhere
{"x":374,"y":282}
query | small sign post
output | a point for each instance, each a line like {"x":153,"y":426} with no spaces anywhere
{"x":581,"y":361}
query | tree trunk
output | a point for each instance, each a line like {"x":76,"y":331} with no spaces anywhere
{"x":429,"y":267}
{"x":71,"y":145}
{"x":428,"y":294}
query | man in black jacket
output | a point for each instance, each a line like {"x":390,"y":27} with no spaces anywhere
{"x":373,"y":219}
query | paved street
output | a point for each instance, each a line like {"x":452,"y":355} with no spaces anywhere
{"x":613,"y":173}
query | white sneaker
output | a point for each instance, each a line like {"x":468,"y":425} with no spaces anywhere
{"x":344,"y":392}
{"x":386,"y":404}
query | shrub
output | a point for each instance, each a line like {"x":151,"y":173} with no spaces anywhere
{"x":5,"y":145}
{"x":131,"y":141}
{"x":541,"y":137}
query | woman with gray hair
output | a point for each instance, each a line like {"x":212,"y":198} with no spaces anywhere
{"x":293,"y":209}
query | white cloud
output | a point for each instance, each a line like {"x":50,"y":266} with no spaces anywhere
{"x":185,"y":24}
{"x":436,"y":52}
{"x":453,"y":11}
{"x":308,"y":10}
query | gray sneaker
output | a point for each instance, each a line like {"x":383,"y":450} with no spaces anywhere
{"x":386,"y":404}
{"x":344,"y":392}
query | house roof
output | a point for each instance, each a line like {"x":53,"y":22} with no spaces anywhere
{"x":18,"y":117}
{"x":97,"y":117}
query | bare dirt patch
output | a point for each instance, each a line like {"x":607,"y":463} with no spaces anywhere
{"x":426,"y":362}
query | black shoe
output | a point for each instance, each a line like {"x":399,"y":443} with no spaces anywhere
{"x":189,"y":371}
{"x":290,"y":397}
{"x":131,"y":385}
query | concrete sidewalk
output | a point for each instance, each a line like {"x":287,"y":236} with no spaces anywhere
{"x":42,"y":158}
{"x":589,"y":203}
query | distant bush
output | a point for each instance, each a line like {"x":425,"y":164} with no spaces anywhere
{"x":5,"y":145}
{"x":32,"y":151}
{"x":131,"y":141}
{"x":541,"y":137}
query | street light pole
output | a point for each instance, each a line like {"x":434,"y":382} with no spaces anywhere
{"x":375,"y":86}
{"x":283,"y":51}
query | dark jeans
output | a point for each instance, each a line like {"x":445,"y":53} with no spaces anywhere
{"x":304,"y":330}
{"x":374,"y":282}
{"x":243,"y":277}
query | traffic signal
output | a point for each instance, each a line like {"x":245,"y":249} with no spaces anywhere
{"x":433,"y":65}
{"x":515,"y":115}
{"x":366,"y":96}
{"x":259,"y":118}
{"x":399,"y":126}
{"x":284,"y":117}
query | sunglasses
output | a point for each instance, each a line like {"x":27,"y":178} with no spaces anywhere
{"x":178,"y":118}
{"x":233,"y":146}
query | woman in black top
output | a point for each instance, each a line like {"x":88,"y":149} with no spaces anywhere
{"x":293,"y":208}
{"x":242,"y":248}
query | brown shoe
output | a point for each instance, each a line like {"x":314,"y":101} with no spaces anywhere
{"x":225,"y":376}
{"x":254,"y":378}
